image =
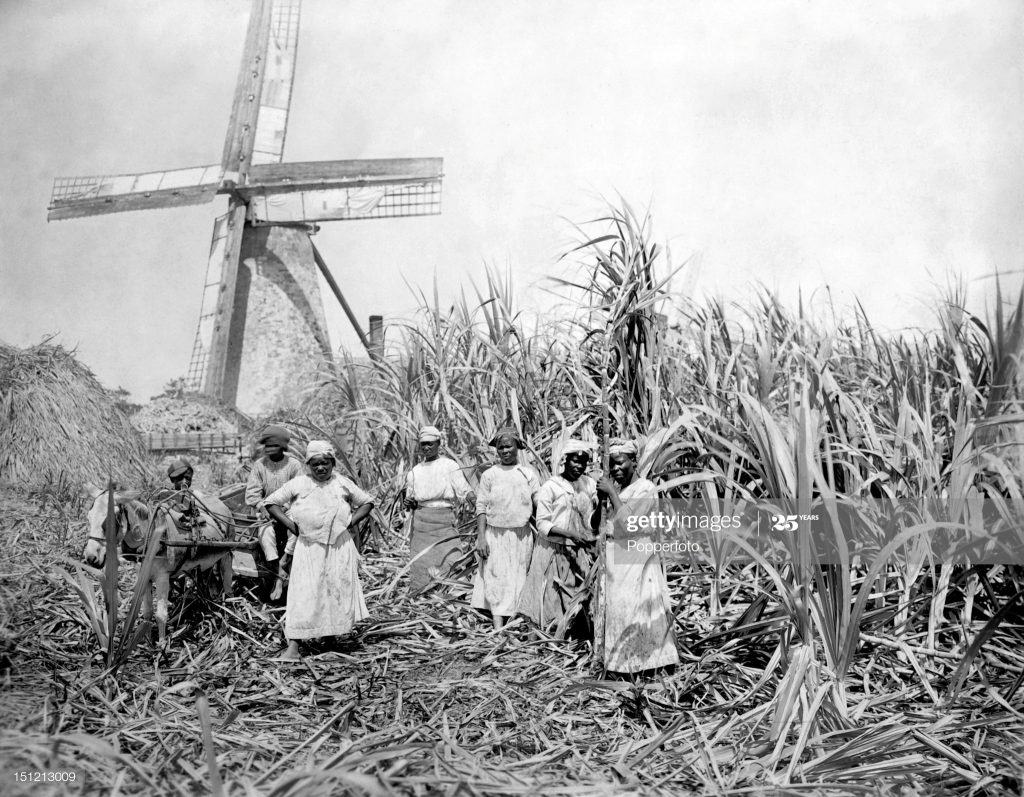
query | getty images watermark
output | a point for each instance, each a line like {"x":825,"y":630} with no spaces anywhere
{"x":855,"y":530}
{"x":669,"y":532}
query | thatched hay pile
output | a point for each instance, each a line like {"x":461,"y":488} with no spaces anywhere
{"x":190,"y":413}
{"x":59,"y":425}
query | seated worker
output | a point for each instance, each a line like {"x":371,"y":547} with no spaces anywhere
{"x":270,"y":473}
{"x":180,"y":473}
{"x":184,"y":498}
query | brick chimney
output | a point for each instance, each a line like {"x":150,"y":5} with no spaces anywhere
{"x":377,"y":335}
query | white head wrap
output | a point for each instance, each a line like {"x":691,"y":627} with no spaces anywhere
{"x":429,"y":434}
{"x":627,"y":447}
{"x":319,"y":448}
{"x":572,"y":447}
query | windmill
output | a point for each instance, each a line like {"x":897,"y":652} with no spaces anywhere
{"x":261,"y":334}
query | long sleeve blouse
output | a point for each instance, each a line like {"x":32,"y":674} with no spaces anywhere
{"x":565,"y":504}
{"x":505,"y":495}
{"x":437,"y":483}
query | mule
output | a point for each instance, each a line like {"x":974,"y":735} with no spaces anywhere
{"x":134,"y":520}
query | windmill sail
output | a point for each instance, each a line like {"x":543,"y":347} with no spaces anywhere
{"x":256,"y":133}
{"x":259,"y":114}
{"x":279,"y":74}
{"x":340,"y":190}
{"x":337,"y":204}
{"x":215,"y":315}
{"x":208,"y":308}
{"x":75,"y":197}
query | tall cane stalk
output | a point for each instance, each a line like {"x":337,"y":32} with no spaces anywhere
{"x":110,"y":572}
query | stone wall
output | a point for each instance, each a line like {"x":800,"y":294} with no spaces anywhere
{"x":285,"y":341}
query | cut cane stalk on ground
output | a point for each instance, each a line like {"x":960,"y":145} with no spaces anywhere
{"x":781,"y":672}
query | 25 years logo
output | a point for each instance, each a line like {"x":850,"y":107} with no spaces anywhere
{"x":784,"y":522}
{"x":789,"y":522}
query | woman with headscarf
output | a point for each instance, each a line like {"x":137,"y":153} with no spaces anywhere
{"x":562,"y":552}
{"x":504,"y":505}
{"x":638,"y":633}
{"x":325,"y":597}
{"x":433,"y":489}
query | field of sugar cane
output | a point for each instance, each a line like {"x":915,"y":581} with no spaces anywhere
{"x":891,"y":675}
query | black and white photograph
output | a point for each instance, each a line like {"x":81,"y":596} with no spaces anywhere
{"x":436,"y":397}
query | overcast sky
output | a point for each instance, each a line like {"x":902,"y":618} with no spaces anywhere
{"x":872,"y":148}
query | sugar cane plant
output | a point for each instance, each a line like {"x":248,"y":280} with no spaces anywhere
{"x":741,"y":409}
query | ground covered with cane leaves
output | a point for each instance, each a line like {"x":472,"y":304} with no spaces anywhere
{"x":426,"y":699}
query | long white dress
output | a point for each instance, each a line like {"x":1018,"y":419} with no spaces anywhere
{"x":638,"y":632}
{"x":325,"y":597}
{"x":505,"y":498}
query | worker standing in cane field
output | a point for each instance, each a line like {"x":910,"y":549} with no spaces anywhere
{"x":638,"y":621}
{"x":322,"y":509}
{"x":433,"y":490}
{"x":504,"y":506}
{"x":269,"y":473}
{"x":563,"y":548}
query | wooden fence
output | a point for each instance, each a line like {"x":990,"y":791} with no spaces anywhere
{"x":193,"y":441}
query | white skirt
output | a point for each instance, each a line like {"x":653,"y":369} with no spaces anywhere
{"x":325,"y":597}
{"x":638,"y":628}
{"x":499,"y":581}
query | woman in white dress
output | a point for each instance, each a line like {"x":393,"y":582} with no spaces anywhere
{"x":325,"y":597}
{"x":638,"y":632}
{"x":504,"y":505}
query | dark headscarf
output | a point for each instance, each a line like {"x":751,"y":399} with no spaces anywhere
{"x":508,"y":431}
{"x":275,"y":436}
{"x":178,"y":467}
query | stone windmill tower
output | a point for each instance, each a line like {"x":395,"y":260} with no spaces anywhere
{"x":262,"y":336}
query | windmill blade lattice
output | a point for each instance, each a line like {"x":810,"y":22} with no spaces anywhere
{"x":76,"y":197}
{"x":223,"y":246}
